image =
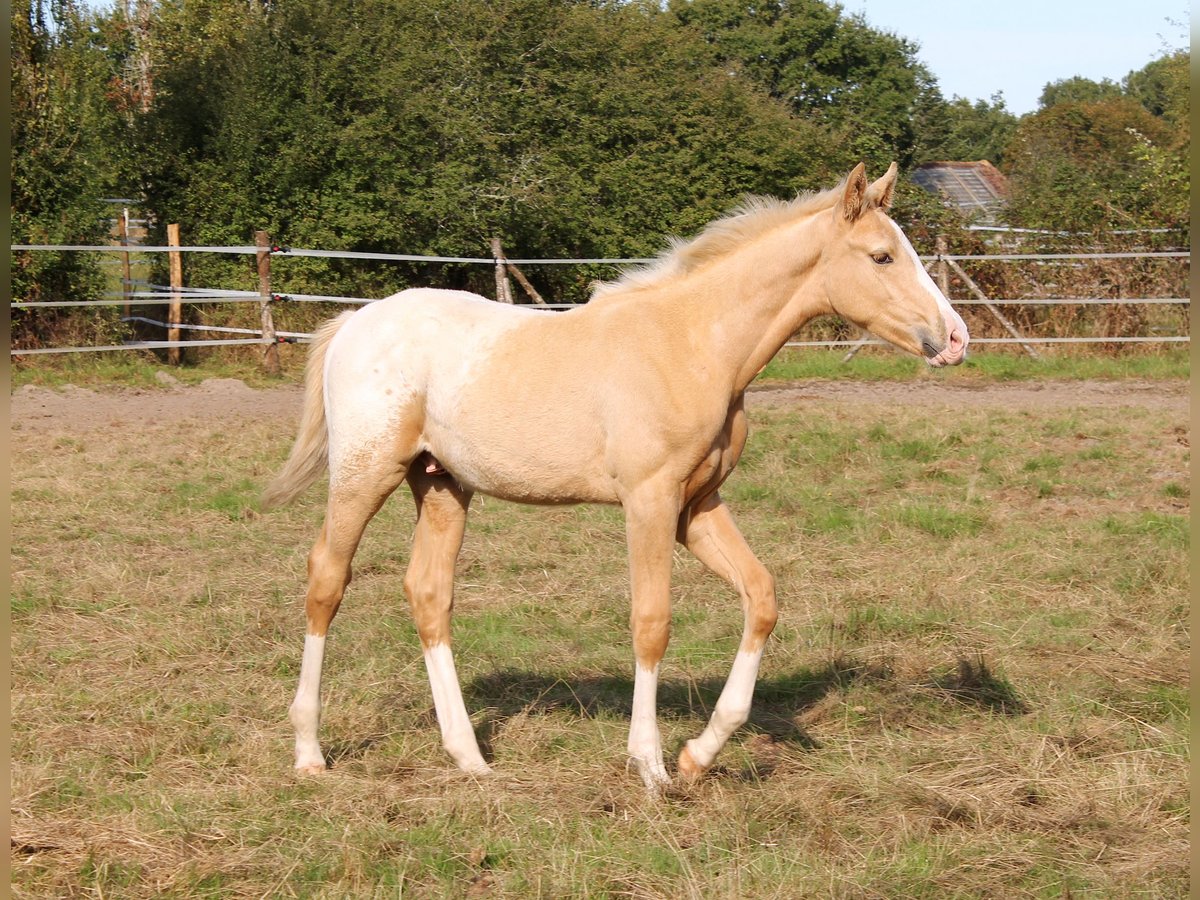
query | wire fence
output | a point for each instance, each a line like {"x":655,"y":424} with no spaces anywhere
{"x":149,"y":294}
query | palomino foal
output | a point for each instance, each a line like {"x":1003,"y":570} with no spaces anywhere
{"x":647,"y":412}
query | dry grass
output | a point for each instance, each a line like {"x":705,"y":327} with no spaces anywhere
{"x":978,"y":687}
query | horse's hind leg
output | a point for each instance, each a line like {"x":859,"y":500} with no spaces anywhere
{"x":441,"y":522}
{"x":710,"y":533}
{"x":352,"y":503}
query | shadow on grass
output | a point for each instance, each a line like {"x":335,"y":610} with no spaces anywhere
{"x":779,"y":707}
{"x":777,"y":701}
{"x":974,"y":683}
{"x":338,"y":751}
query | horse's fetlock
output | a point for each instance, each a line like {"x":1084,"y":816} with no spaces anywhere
{"x":731,"y":716}
{"x":303,"y":712}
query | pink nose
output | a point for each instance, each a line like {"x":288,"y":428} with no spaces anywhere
{"x":955,"y":350}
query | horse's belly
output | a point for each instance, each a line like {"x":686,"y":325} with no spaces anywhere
{"x":518,"y":425}
{"x":526,"y":477}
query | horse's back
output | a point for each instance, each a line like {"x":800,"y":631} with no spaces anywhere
{"x":411,"y":335}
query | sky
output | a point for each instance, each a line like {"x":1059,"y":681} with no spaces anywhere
{"x":1018,"y":46}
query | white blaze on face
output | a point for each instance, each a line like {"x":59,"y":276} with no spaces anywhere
{"x":952,"y":319}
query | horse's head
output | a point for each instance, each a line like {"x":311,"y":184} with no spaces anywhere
{"x":873,"y":276}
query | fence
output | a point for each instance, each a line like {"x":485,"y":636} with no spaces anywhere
{"x":942,"y":265}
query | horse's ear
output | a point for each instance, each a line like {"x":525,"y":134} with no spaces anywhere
{"x":880,"y":193}
{"x":855,"y":192}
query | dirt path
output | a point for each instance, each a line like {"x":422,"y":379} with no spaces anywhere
{"x":225,"y":399}
{"x":1013,"y":395}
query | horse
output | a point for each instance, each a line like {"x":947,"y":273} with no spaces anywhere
{"x":647,"y":411}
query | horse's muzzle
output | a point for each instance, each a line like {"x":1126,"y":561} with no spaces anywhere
{"x":953,"y":353}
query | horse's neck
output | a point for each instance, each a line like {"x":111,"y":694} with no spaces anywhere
{"x":742,"y":309}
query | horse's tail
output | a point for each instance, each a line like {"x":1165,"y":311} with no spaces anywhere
{"x":310,"y":453}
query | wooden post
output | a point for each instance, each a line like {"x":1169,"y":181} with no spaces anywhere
{"x":175,"y":311}
{"x":262,"y":241}
{"x":126,"y":286}
{"x":863,"y":338}
{"x":524,"y":282}
{"x":943,"y":273}
{"x":503,"y":288}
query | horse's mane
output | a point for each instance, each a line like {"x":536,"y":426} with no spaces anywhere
{"x":752,"y":218}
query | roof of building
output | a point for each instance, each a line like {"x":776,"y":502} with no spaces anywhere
{"x":978,"y":189}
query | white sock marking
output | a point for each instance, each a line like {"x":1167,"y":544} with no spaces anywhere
{"x":305,"y":711}
{"x":645,"y":742}
{"x":458,"y":737}
{"x":731,"y":711}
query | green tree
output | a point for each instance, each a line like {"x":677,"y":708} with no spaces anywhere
{"x":1161,"y":86}
{"x":428,"y":127}
{"x":864,"y":85}
{"x":979,"y":130}
{"x":1075,"y":166}
{"x":1078,"y":89}
{"x":1098,"y":155}
{"x":66,"y":144}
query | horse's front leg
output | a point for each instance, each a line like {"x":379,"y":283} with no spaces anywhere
{"x":650,"y":518}
{"x":708,"y":530}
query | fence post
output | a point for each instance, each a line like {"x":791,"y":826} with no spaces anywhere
{"x":126,"y":278}
{"x":503,"y":288}
{"x":863,"y":338}
{"x":262,"y":240}
{"x":175,"y":311}
{"x":943,"y":273}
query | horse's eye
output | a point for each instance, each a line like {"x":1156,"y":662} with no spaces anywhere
{"x":882,"y":259}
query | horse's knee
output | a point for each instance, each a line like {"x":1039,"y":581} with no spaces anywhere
{"x":651,"y":633}
{"x":431,"y":602}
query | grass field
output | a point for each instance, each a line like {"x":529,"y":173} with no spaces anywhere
{"x":978,"y":686}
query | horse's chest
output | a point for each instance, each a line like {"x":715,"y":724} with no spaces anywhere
{"x":720,"y":459}
{"x":707,"y":477}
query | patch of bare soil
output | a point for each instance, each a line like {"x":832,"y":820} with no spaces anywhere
{"x":1033,"y":395}
{"x":74,"y":409}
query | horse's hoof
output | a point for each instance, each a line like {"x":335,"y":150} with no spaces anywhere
{"x":689,"y":770}
{"x":311,"y":769}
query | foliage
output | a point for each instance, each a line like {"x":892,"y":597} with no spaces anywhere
{"x":864,"y":85}
{"x":1078,"y":89}
{"x":979,"y":130}
{"x":1074,"y":166}
{"x":1162,"y":87}
{"x":63,"y":138}
{"x":567,"y":129}
{"x":1102,"y":156}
